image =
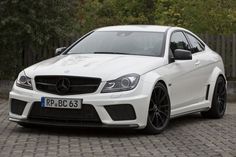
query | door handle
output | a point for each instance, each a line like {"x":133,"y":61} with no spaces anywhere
{"x":197,"y":62}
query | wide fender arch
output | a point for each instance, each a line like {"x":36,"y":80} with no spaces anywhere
{"x":151,"y":79}
{"x":212,"y":80}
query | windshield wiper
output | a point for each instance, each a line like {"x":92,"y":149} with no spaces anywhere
{"x":112,"y":53}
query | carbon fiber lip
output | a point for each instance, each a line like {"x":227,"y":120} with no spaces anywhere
{"x":85,"y":124}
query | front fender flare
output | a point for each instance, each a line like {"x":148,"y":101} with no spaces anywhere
{"x":212,"y":81}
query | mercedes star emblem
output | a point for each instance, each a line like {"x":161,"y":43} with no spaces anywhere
{"x":63,"y":86}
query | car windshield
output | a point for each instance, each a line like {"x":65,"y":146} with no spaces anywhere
{"x":121,"y":42}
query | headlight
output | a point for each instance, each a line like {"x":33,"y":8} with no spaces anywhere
{"x":123,"y":83}
{"x":24,"y":81}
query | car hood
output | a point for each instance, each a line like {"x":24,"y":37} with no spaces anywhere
{"x":104,"y":66}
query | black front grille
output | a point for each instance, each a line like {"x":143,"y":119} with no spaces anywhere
{"x":76,"y":85}
{"x":86,"y":114}
{"x":17,"y":106}
{"x":121,"y":112}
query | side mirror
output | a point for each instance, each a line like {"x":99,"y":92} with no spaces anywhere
{"x":181,"y":54}
{"x":59,"y":50}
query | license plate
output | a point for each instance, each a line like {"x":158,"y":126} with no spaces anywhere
{"x":61,"y":103}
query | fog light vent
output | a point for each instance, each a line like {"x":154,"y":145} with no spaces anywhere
{"x":17,"y":106}
{"x":121,"y":112}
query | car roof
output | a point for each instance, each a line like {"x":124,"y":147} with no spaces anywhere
{"x":141,"y":28}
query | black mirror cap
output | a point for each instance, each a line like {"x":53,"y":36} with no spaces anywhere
{"x":59,"y":50}
{"x":181,"y":54}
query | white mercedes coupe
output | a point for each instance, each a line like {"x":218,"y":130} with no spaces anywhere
{"x":133,"y":76}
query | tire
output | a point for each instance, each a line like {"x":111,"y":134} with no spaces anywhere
{"x":218,"y":105}
{"x":159,"y":110}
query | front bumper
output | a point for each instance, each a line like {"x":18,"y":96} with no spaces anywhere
{"x":138,"y":98}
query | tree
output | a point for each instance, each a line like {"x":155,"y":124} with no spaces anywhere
{"x":28,"y":24}
{"x":211,"y":16}
{"x":98,"y":13}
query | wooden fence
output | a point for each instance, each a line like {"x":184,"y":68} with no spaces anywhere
{"x":225,"y":45}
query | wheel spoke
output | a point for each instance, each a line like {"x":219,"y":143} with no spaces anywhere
{"x":152,"y":109}
{"x":162,"y":99}
{"x":222,"y":93}
{"x":221,"y":87}
{"x":221,"y":99}
{"x":163,"y":113}
{"x":159,"y":95}
{"x":152,"y":117}
{"x":163,"y":106}
{"x":155,"y":93}
{"x":153,"y":102}
{"x":157,"y":121}
{"x":221,"y":105}
{"x":161,"y":119}
{"x":155,"y":96}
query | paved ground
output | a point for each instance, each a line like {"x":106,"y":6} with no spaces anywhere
{"x":186,"y":136}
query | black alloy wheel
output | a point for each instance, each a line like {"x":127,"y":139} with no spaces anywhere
{"x":159,"y":110}
{"x":218,"y":105}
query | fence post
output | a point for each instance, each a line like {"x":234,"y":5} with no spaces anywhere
{"x":234,"y":56}
{"x":218,"y":48}
{"x":223,"y":48}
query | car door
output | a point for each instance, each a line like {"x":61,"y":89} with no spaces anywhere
{"x":181,"y":75}
{"x":203,"y":67}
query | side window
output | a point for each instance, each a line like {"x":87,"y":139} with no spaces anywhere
{"x":197,"y":46}
{"x":178,"y":41}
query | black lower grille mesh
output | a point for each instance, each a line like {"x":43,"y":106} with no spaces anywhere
{"x":17,"y":106}
{"x":86,"y":114}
